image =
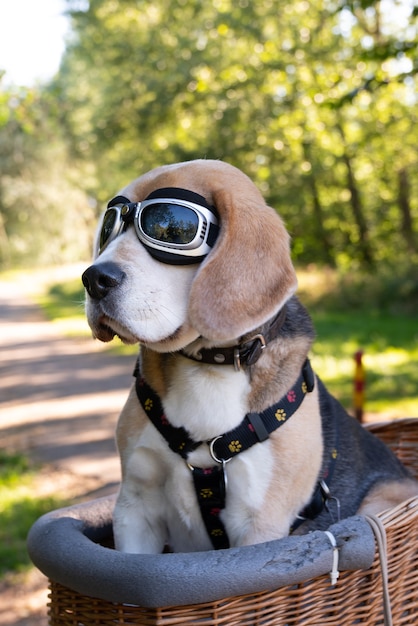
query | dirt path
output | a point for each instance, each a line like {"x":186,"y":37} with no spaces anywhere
{"x":59,"y":402}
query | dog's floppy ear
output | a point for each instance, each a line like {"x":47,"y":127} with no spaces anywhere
{"x":249,"y":275}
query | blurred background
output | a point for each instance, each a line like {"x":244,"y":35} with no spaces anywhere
{"x":316,"y":100}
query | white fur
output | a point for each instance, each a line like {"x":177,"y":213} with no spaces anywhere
{"x":208,"y":400}
{"x":157,"y":502}
{"x":154,"y":297}
{"x":158,"y":485}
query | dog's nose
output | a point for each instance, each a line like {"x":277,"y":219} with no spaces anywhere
{"x":100,"y":279}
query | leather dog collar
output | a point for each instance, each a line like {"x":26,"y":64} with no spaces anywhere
{"x":244,"y":354}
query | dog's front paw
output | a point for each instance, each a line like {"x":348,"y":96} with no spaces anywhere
{"x":134,"y":532}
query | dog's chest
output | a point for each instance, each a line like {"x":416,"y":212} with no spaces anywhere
{"x":206,"y":400}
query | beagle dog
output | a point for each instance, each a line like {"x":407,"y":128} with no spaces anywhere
{"x":227,"y":437}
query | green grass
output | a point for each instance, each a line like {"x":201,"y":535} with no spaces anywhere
{"x":375,"y":313}
{"x":390,"y":347}
{"x":19,"y":509}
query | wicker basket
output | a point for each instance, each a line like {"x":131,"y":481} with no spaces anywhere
{"x":355,"y":599}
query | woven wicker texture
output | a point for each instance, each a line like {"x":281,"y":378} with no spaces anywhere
{"x":356,"y":599}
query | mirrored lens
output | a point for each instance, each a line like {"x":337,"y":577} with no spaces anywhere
{"x":169,"y":223}
{"x":109,"y":221}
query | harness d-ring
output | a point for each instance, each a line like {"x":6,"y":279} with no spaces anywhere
{"x":212,"y":452}
{"x":222,"y":462}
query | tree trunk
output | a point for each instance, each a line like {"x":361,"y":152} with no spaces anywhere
{"x":5,"y":257}
{"x":364,"y":246}
{"x":407,"y":228}
{"x":321,"y":232}
{"x":358,"y":213}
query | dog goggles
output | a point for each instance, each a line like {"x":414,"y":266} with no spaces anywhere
{"x":175,"y":225}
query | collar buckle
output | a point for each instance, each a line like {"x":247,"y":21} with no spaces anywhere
{"x":249,"y":355}
{"x":254,"y":352}
{"x":237,"y":360}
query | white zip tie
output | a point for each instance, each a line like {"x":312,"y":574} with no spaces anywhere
{"x":334,"y":573}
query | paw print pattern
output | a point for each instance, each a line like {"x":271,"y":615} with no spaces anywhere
{"x":235,"y":446}
{"x":148,"y":404}
{"x":280,"y":415}
{"x":206,"y":493}
{"x":291,"y":396}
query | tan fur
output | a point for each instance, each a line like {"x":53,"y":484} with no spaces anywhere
{"x":387,"y":495}
{"x":241,"y":285}
{"x":291,"y":469}
{"x":253,"y":249}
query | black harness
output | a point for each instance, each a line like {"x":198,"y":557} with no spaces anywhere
{"x":210,"y":483}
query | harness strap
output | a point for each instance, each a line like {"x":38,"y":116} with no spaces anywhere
{"x":210,"y":488}
{"x":210,"y":483}
{"x":255,"y":427}
{"x":177,"y":437}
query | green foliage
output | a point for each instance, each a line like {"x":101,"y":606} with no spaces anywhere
{"x":19,"y":509}
{"x":45,"y":217}
{"x":390,"y":346}
{"x":12,"y":466}
{"x":391,"y":289}
{"x":315,"y":100}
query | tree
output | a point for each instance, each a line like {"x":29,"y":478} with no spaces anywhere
{"x":255,"y":84}
{"x":43,"y":210}
{"x":315,"y":100}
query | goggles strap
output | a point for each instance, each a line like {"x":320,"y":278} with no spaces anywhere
{"x":118,"y":200}
{"x":167,"y":192}
{"x":177,"y":193}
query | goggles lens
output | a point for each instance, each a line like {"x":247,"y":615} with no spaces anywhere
{"x":169,"y":223}
{"x":111,"y":222}
{"x":174,"y":231}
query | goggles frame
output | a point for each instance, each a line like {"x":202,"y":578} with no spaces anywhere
{"x":127,"y":213}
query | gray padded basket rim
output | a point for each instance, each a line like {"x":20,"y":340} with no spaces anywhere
{"x":64,"y":545}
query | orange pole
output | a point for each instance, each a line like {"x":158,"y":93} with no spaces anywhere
{"x":359,"y":385}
